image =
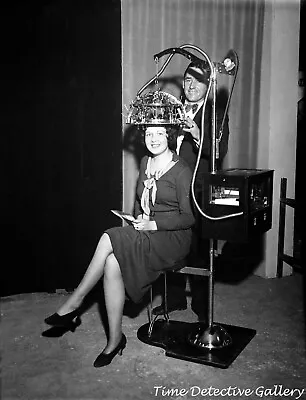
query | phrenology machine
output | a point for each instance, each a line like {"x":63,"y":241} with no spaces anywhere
{"x":235,"y":203}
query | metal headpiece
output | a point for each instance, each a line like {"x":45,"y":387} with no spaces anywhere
{"x":156,"y":108}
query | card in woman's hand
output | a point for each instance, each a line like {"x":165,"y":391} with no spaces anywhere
{"x":124,"y":216}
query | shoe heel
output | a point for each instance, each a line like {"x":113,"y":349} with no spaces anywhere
{"x":75,"y":324}
{"x":121,"y":351}
{"x":105,"y":359}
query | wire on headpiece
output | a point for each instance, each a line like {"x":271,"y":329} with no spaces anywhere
{"x":156,"y":108}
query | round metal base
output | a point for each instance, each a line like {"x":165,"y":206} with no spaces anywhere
{"x":213,"y":337}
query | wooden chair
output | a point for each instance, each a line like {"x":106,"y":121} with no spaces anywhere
{"x":282,"y":257}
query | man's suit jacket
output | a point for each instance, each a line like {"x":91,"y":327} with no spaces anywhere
{"x":189,"y":149}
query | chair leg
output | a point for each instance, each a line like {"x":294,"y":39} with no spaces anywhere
{"x":165,"y":294}
{"x":152,"y":318}
{"x":150,"y":306}
{"x":281,"y":227}
{"x":166,"y":315}
{"x":150,"y":313}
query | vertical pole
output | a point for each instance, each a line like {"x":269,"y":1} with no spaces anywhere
{"x":213,"y":171}
{"x":214,"y":129}
{"x":211,"y":284}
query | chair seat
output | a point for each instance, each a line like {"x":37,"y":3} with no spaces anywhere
{"x":194,"y":265}
{"x":203,"y":271}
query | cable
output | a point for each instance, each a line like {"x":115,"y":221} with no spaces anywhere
{"x":190,"y":56}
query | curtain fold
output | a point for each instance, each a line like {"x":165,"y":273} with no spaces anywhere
{"x":215,"y":26}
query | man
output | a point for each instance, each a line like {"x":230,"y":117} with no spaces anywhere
{"x":195,"y":84}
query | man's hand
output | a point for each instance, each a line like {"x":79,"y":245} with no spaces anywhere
{"x":193,"y":128}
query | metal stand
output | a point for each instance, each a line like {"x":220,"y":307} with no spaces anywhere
{"x":212,"y":344}
{"x":172,"y":336}
{"x":214,"y":336}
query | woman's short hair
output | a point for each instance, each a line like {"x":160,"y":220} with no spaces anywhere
{"x":172,"y":130}
{"x":172,"y":133}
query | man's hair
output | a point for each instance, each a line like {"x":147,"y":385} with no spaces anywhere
{"x":202,"y":65}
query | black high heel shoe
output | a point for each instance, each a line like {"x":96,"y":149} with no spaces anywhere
{"x":65,"y":320}
{"x":58,"y":331}
{"x":105,"y":359}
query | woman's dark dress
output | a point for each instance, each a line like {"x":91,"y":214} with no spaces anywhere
{"x":143,"y":255}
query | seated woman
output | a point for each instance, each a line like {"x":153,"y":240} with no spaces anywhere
{"x":130,"y":258}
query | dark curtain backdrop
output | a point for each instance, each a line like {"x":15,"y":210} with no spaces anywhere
{"x":215,"y":26}
{"x":62,"y":64}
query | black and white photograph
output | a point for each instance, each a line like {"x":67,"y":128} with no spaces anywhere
{"x":153,"y":200}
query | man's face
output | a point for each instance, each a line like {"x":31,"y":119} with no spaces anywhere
{"x":194,"y":85}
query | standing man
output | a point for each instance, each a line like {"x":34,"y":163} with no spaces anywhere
{"x":195,"y":85}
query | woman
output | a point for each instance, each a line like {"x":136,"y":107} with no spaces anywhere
{"x":130,"y":258}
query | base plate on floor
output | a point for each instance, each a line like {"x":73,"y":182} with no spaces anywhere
{"x":173,"y":337}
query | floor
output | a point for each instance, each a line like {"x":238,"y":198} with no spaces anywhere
{"x":271,"y":366}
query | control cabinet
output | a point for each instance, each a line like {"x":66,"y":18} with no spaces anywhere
{"x":234,"y":191}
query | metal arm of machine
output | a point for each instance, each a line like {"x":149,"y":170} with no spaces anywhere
{"x":177,"y":50}
{"x":228,"y":66}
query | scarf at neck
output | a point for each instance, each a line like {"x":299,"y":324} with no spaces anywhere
{"x":150,"y":183}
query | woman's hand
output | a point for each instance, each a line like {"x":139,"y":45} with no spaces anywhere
{"x":144,"y":225}
{"x":193,"y":128}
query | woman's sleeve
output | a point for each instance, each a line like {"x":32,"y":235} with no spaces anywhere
{"x":185,"y":218}
{"x":137,"y":207}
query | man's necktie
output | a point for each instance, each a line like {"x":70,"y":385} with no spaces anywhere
{"x":192,"y":107}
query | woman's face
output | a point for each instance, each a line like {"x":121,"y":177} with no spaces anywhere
{"x":156,"y":139}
